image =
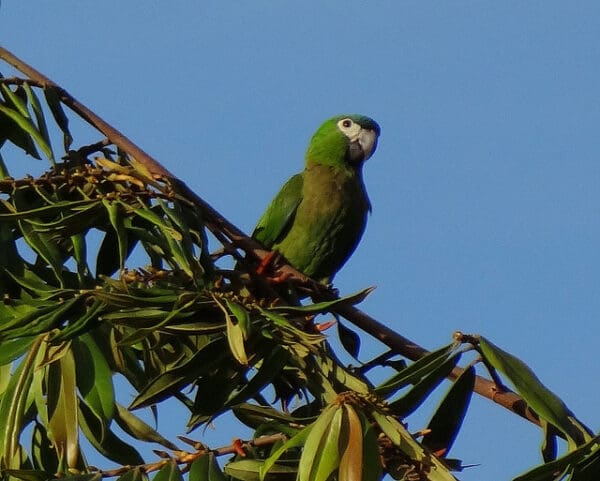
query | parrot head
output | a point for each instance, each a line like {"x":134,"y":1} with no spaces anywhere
{"x":345,"y":140}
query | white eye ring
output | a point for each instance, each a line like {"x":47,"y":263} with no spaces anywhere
{"x":347,"y":123}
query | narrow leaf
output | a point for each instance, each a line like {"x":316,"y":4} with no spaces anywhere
{"x":169,"y":472}
{"x":351,"y":461}
{"x":205,"y":468}
{"x":27,"y":125}
{"x":115,"y":218}
{"x":53,"y":100}
{"x":39,"y":114}
{"x":589,"y":451}
{"x":543,"y":401}
{"x":409,"y":402}
{"x":138,"y":429}
{"x":416,"y":371}
{"x":350,"y":340}
{"x":105,"y":441}
{"x":94,"y":377}
{"x":327,"y":306}
{"x":249,"y":469}
{"x":12,"y":407}
{"x":448,"y":417}
{"x":296,"y":441}
{"x":315,"y":443}
{"x":235,"y":336}
{"x":11,"y":350}
{"x":62,"y":410}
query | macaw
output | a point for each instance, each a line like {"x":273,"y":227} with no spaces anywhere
{"x":319,"y":215}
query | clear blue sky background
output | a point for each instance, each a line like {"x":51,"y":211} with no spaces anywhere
{"x":484,"y":186}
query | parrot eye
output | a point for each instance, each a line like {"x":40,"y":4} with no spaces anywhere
{"x":347,"y":123}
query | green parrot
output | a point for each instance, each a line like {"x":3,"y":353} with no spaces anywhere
{"x":319,"y":215}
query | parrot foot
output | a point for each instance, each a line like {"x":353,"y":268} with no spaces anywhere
{"x":323,"y":326}
{"x":280,"y":278}
{"x":267,"y":262}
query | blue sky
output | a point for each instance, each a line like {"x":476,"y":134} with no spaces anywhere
{"x":484,"y":186}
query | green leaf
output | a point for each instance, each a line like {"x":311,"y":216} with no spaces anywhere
{"x":169,"y":472}
{"x":235,"y":338}
{"x":296,"y":441}
{"x":417,"y":370}
{"x":321,"y":455}
{"x":29,"y":474}
{"x":11,"y":350}
{"x":249,"y":470}
{"x":398,"y":434}
{"x":272,"y":364}
{"x":409,"y":402}
{"x":115,"y":218}
{"x":169,"y":244}
{"x":265,"y":413}
{"x":543,"y":401}
{"x":5,"y":372}
{"x":326,"y":306}
{"x":266,"y":420}
{"x":107,"y":263}
{"x":31,"y":281}
{"x":105,"y":441}
{"x":448,"y":417}
{"x":316,"y":440}
{"x":351,"y":460}
{"x":582,"y":459}
{"x":12,"y":407}
{"x":53,"y":100}
{"x":549,"y":448}
{"x":202,"y":362}
{"x":135,"y":474}
{"x":17,"y":102}
{"x":43,"y":455}
{"x":205,"y":468}
{"x":62,"y":411}
{"x":10,"y":130}
{"x":138,"y":429}
{"x":80,"y":324}
{"x":349,"y":339}
{"x":44,"y":247}
{"x":80,"y":256}
{"x":27,"y":126}
{"x":94,"y":377}
{"x":39,"y":114}
{"x":40,"y":321}
{"x":3,"y":169}
{"x":178,"y":218}
{"x":372,"y":470}
{"x":242,"y":315}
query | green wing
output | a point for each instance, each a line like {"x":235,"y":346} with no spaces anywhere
{"x":277,"y":220}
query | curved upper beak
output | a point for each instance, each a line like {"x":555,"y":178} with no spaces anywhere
{"x":362,"y":146}
{"x":367,"y":140}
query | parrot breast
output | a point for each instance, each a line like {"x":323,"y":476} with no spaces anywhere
{"x":329,"y":221}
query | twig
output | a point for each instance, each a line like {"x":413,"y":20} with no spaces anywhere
{"x":217,"y":223}
{"x":186,"y":458}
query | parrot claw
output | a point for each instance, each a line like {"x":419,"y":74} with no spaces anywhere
{"x":280,"y":278}
{"x":268,"y":261}
{"x":323,"y":326}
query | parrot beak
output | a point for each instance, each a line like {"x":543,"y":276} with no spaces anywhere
{"x":362,"y":146}
{"x":368,"y":142}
